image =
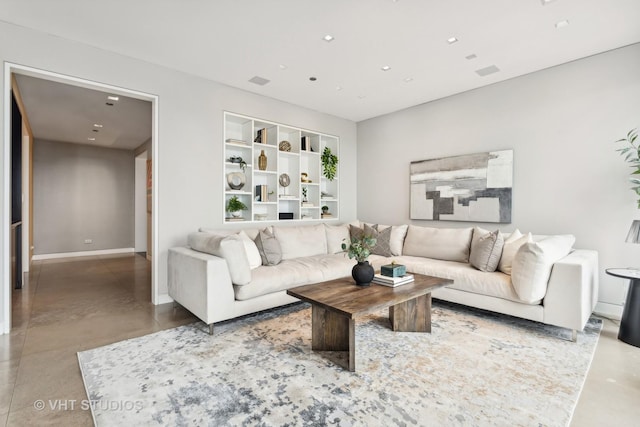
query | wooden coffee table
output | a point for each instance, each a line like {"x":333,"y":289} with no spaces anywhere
{"x":336,"y":304}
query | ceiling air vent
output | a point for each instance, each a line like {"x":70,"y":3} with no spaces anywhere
{"x":261,"y":81}
{"x":487,"y":70}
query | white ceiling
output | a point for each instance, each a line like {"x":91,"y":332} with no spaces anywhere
{"x":61,"y":112}
{"x":231,"y":41}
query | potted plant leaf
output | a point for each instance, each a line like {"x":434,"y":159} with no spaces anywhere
{"x":329,"y":164}
{"x":631,"y":154}
{"x":360,"y":249}
{"x":235,"y":207}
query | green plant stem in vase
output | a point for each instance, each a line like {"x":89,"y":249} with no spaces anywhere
{"x":631,"y":154}
{"x":329,"y":164}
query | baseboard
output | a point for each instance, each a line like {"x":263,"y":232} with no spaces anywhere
{"x":164,"y":299}
{"x":83,"y":253}
{"x":611,"y":311}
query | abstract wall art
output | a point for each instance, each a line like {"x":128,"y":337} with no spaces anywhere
{"x":474,"y":187}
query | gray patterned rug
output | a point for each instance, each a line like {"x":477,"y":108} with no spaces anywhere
{"x":475,"y":368}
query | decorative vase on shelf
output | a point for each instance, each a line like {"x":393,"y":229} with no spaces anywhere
{"x":262,"y":161}
{"x":236,"y":214}
{"x":362,"y":273}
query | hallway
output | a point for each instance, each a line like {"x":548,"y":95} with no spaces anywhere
{"x":68,"y":305}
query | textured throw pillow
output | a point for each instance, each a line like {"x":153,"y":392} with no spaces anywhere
{"x":252,"y":251}
{"x":486,"y":250}
{"x":355,"y":232}
{"x":268,"y":247}
{"x":383,"y":237}
{"x":511,"y":246}
{"x":533,"y":263}
{"x":396,"y":241}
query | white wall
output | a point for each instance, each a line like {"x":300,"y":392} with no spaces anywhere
{"x":561,"y":124}
{"x":81,"y":192}
{"x":190,"y":128}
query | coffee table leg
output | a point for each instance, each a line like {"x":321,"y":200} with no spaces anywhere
{"x":333,"y":332}
{"x":412,"y":316}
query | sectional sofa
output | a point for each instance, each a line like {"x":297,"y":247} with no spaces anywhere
{"x":222,"y":274}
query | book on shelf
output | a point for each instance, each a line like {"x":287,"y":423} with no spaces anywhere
{"x":307,"y":205}
{"x":288,"y":197}
{"x":261,"y":136}
{"x":393,"y":281}
{"x":261,"y":194}
{"x":236,"y":141}
{"x":234,"y":219}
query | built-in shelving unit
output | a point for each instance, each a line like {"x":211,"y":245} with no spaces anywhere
{"x":290,"y":152}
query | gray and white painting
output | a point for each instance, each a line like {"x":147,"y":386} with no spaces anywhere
{"x":474,"y":187}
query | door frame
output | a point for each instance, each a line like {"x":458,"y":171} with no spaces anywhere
{"x":9,"y":70}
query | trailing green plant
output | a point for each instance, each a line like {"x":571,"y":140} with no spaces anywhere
{"x":234,"y":204}
{"x":631,"y":154}
{"x":329,"y":164}
{"x":360,"y":247}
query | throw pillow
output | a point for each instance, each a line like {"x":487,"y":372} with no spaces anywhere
{"x":336,"y":236}
{"x":252,"y":251}
{"x":268,"y":247}
{"x":533,"y":263}
{"x":382,"y":246}
{"x":355,"y":232}
{"x":511,"y":246}
{"x":486,"y":250}
{"x":396,"y":241}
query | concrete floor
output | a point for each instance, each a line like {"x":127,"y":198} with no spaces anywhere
{"x":74,"y":304}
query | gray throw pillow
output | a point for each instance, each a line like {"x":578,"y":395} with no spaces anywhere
{"x":355,"y":232}
{"x":486,"y":251}
{"x":383,"y":240}
{"x":269,"y":248}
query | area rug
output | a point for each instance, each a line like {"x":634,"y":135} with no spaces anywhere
{"x":475,"y":368}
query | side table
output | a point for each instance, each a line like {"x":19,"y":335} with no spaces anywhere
{"x":630,"y":322}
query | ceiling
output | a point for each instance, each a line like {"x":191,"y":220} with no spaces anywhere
{"x":61,"y":112}
{"x":231,"y":41}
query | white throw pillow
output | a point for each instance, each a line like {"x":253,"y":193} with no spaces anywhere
{"x":511,"y":246}
{"x":253,"y":255}
{"x":336,"y":236}
{"x":301,"y":241}
{"x":533,"y":263}
{"x":231,"y":248}
{"x":448,"y":244}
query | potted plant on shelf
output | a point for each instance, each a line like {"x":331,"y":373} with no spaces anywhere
{"x":235,"y":207}
{"x":329,"y":164}
{"x":360,"y":249}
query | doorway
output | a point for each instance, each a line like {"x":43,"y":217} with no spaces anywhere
{"x":10,"y":70}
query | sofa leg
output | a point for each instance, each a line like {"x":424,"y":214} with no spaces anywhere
{"x":574,"y":335}
{"x":211,"y":329}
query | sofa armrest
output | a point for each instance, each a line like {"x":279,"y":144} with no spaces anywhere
{"x":201,"y":283}
{"x":572,"y":291}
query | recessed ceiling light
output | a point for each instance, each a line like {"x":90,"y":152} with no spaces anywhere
{"x":385,"y":68}
{"x":408,"y":79}
{"x":487,"y":70}
{"x":282,"y":67}
{"x":91,"y":139}
{"x":260,"y":81}
{"x":96,"y":125}
{"x":452,"y":40}
{"x":113,"y":98}
{"x":328,"y":38}
{"x":313,"y":79}
{"x":472,"y":56}
{"x":562,"y":24}
{"x":338,"y":87}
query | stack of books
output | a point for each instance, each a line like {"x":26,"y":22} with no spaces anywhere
{"x":262,"y":194}
{"x":392,"y":281}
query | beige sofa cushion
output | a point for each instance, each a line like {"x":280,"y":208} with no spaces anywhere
{"x":533,"y":263}
{"x":486,"y":249}
{"x":511,"y":246}
{"x":336,"y":236}
{"x":449,"y":244}
{"x":301,"y":241}
{"x":231,"y":248}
